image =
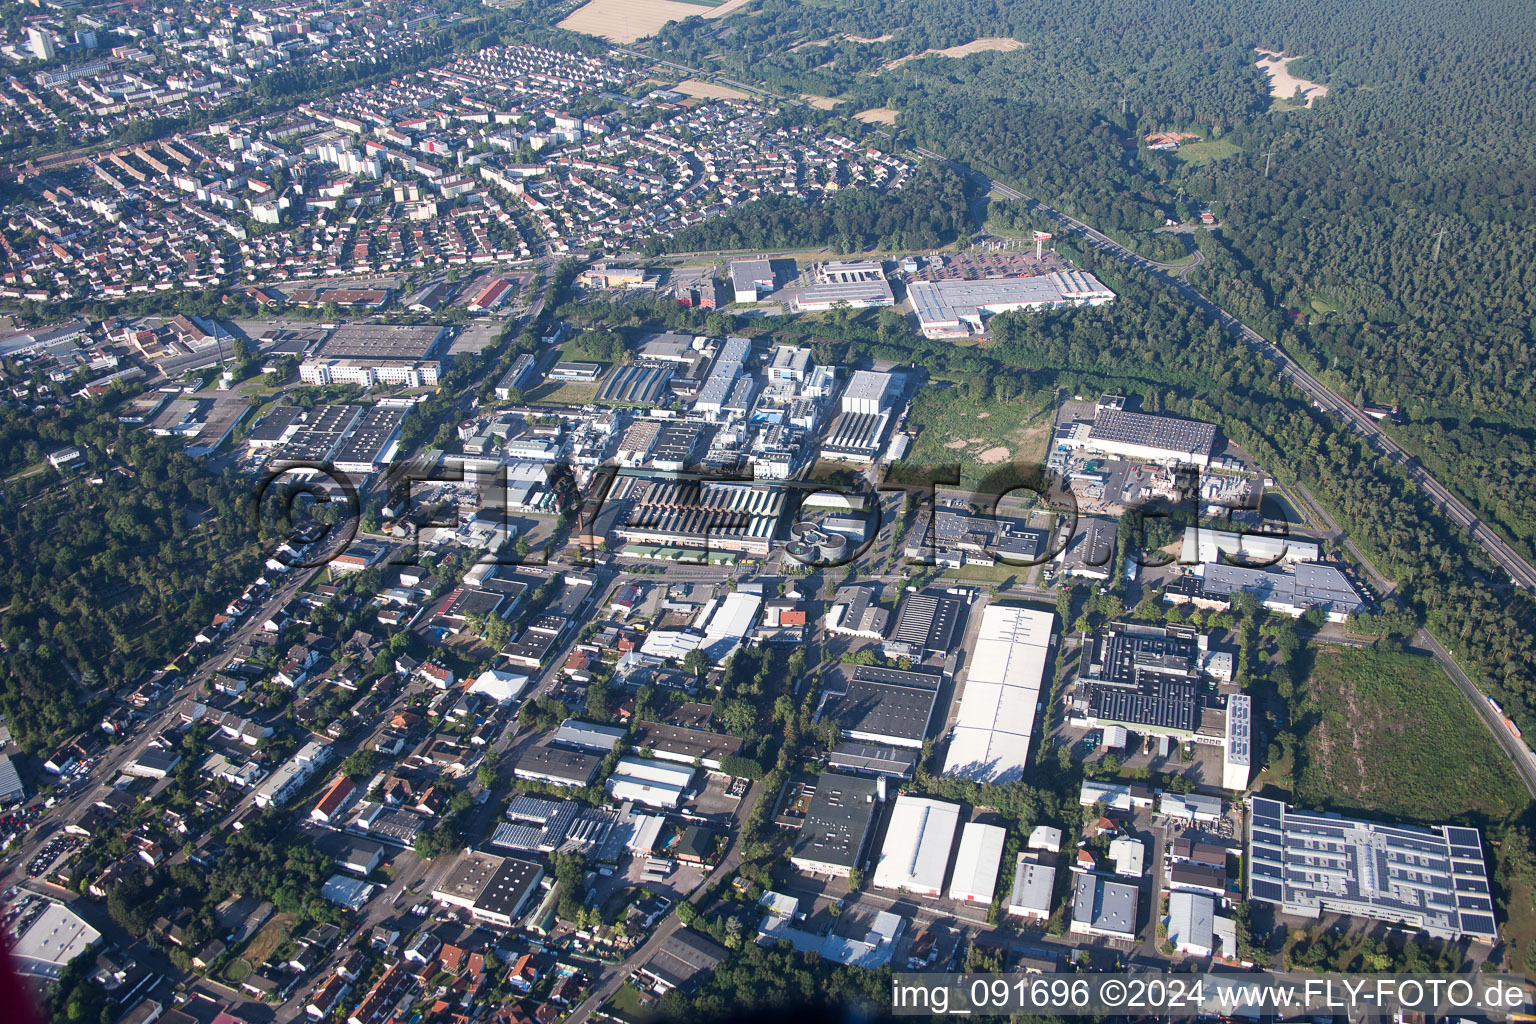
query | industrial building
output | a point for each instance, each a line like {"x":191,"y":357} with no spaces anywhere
{"x":49,"y":938}
{"x":977,"y":862}
{"x":1292,"y":590}
{"x":636,"y":384}
{"x":711,"y":516}
{"x":1140,"y":436}
{"x":751,"y":279}
{"x":926,"y":624}
{"x":855,"y":436}
{"x":1429,"y":878}
{"x":685,"y":958}
{"x":880,"y":705}
{"x":685,"y":746}
{"x":957,"y":308}
{"x":1089,"y":548}
{"x":518,"y":376}
{"x":873,"y":759}
{"x":838,"y":825}
{"x":1255,"y":550}
{"x":650,"y":782}
{"x":382,"y":342}
{"x":1102,"y":906}
{"x":854,"y":612}
{"x":1237,"y":746}
{"x":991,"y":737}
{"x":556,"y":766}
{"x":591,"y":736}
{"x":1145,"y":677}
{"x":369,"y":354}
{"x":856,"y":284}
{"x":372,"y":443}
{"x":867,"y":393}
{"x":1034,"y":884}
{"x":1192,"y":923}
{"x":953,"y":537}
{"x":915,"y":857}
{"x":495,"y":890}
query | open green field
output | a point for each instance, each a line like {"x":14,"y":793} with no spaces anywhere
{"x":1389,"y":732}
{"x":1204,"y":152}
{"x":625,"y":1005}
{"x":979,"y":435}
{"x":556,"y":393}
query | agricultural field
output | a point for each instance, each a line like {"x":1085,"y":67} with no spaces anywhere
{"x":624,"y":21}
{"x":1389,"y":732}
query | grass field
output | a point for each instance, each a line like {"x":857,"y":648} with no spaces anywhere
{"x":268,"y":939}
{"x":978,"y":435}
{"x":1204,"y":152}
{"x":1389,"y":732}
{"x":625,"y":1005}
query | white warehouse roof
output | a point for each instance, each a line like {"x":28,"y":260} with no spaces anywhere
{"x":991,"y":737}
{"x":981,"y":852}
{"x":915,"y":856}
{"x":645,"y":781}
{"x":498,"y":685}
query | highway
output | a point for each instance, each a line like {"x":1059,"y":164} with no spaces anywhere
{"x":1519,"y":570}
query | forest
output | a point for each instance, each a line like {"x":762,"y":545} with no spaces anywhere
{"x":110,"y":571}
{"x":930,"y":211}
{"x":1381,"y":236}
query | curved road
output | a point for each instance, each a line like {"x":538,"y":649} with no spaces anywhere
{"x":1519,"y":570}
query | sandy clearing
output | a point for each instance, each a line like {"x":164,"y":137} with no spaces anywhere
{"x":710,"y":91}
{"x":877,"y":115}
{"x":992,"y":456}
{"x":1001,"y":44}
{"x":954,"y":445}
{"x":870,"y":39}
{"x":1283,"y":84}
{"x":819,"y":102}
{"x":624,"y":21}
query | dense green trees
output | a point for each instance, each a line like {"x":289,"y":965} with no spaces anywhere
{"x":1330,"y":216}
{"x":928,"y":212}
{"x":110,"y":572}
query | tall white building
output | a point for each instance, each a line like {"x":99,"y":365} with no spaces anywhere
{"x":41,"y":42}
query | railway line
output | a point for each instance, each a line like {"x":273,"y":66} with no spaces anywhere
{"x":1520,"y":571}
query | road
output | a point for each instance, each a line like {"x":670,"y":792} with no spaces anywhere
{"x":1519,"y":753}
{"x":72,"y":807}
{"x":1519,"y":570}
{"x":609,"y":980}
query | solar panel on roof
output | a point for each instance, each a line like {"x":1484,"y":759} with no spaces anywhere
{"x":1267,"y":890}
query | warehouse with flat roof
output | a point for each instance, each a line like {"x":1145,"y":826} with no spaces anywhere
{"x":991,"y":737}
{"x":915,"y":857}
{"x":976,"y":863}
{"x":956,"y":308}
{"x":1034,"y":884}
{"x":370,"y":341}
{"x":1430,"y":878}
{"x":1103,"y":906}
{"x":881,"y":705}
{"x":838,"y":824}
{"x":1142,"y":437}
